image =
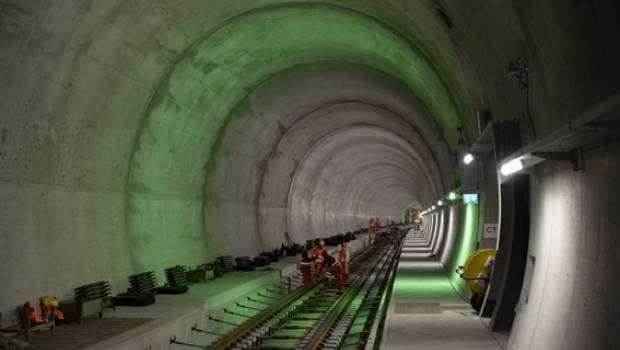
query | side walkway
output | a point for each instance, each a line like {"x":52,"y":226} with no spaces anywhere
{"x":424,"y":311}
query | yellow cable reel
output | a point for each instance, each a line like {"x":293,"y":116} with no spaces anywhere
{"x":477,"y":268}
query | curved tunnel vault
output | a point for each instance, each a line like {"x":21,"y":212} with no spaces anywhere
{"x":179,"y":143}
{"x":146,"y":134}
{"x":353,"y":168}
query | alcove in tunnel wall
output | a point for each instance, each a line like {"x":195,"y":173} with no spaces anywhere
{"x":574,"y":238}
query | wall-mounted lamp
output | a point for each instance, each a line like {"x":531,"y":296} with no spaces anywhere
{"x":566,"y":143}
{"x":433,"y":207}
{"x":468,"y":158}
{"x":439,"y":202}
{"x":526,"y":160}
{"x":511,"y":167}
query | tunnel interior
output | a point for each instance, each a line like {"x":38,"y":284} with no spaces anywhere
{"x":141,"y":135}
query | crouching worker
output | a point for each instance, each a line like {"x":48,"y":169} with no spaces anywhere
{"x":333,"y":269}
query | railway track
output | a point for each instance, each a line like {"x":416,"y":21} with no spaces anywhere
{"x":321,"y":315}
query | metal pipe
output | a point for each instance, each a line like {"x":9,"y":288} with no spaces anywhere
{"x":223,"y":321}
{"x":236,"y":313}
{"x":196,"y":329}
{"x":248,"y":307}
{"x":258,"y":301}
{"x":174,"y":340}
{"x":266,"y":296}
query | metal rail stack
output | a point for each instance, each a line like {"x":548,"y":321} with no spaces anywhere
{"x":177,"y":276}
{"x":143,"y":283}
{"x":92,"y":291}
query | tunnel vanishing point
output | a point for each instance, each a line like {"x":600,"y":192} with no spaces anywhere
{"x":139,"y":135}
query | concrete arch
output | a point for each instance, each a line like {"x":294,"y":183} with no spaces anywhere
{"x":319,"y":176}
{"x":268,"y":135}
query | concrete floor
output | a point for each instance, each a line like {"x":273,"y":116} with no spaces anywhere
{"x":426,"y":313}
{"x":93,"y":331}
{"x":152,"y":326}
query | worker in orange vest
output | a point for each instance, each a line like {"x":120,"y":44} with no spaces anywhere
{"x":319,"y":259}
{"x":333,"y":268}
{"x":33,"y":313}
{"x":49,"y":306}
{"x":305,"y":266}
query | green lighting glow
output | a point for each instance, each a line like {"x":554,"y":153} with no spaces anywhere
{"x":452,"y":196}
{"x":411,"y":282}
{"x":422,"y":286}
{"x":168,"y":216}
{"x":465,"y":246}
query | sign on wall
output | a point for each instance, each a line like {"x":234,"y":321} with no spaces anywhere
{"x":470,"y":198}
{"x":490,"y":230}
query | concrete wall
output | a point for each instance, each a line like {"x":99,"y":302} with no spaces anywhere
{"x":572,"y":301}
{"x":125,"y":148}
{"x":137,"y":135}
{"x":361,"y":118}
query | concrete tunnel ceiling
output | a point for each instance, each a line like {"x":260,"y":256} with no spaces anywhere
{"x":138,"y":135}
{"x":378,"y":118}
{"x":358,"y":166}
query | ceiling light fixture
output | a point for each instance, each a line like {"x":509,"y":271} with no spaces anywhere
{"x":468,"y":158}
{"x":511,"y":167}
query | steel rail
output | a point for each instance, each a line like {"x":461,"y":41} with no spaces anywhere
{"x":344,"y":301}
{"x":317,"y":333}
{"x":228,"y":341}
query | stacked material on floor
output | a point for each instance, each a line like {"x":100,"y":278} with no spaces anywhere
{"x":92,"y":291}
{"x":244,"y":263}
{"x":201,"y":273}
{"x":262,"y":260}
{"x":225,"y":264}
{"x":90,"y":300}
{"x":143,"y":283}
{"x":177,"y":276}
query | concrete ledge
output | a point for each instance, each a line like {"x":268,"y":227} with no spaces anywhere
{"x":174,"y":315}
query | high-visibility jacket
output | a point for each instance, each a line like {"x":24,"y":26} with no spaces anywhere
{"x":35,"y":316}
{"x":50,"y":303}
{"x":317,"y":252}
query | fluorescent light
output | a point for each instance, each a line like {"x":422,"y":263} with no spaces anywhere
{"x":511,"y":167}
{"x":468,"y":158}
{"x":440,"y":202}
{"x":452,"y":196}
